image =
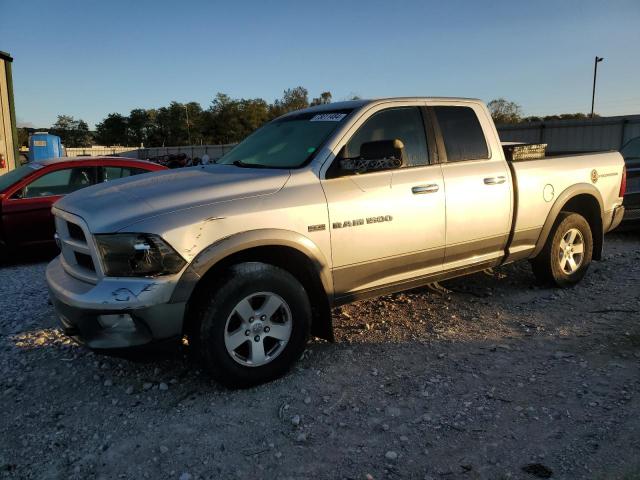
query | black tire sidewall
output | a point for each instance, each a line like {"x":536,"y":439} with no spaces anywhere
{"x":572,"y":220}
{"x":239,"y":282}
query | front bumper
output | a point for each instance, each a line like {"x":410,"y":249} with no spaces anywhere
{"x":145,"y":304}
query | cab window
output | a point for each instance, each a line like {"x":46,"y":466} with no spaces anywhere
{"x":462,"y":134}
{"x":404,"y":124}
{"x":59,"y":182}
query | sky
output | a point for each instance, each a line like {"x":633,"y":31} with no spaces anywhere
{"x":89,"y":58}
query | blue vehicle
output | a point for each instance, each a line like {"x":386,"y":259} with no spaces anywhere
{"x":43,"y":145}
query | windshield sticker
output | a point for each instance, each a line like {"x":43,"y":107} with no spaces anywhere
{"x":35,"y":166}
{"x":328,"y":117}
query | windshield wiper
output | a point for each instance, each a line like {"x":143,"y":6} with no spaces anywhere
{"x":241,"y":164}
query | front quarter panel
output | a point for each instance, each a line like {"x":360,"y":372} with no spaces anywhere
{"x":294,"y":216}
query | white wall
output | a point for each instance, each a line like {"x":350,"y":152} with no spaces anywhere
{"x":191,"y":151}
{"x":599,"y":134}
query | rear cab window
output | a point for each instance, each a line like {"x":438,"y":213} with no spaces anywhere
{"x":462,"y":133}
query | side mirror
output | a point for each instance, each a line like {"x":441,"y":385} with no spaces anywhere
{"x":376,"y":156}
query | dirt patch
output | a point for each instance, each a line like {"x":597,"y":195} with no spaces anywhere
{"x":496,"y":379}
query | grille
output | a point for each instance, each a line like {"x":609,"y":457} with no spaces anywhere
{"x":79,"y":257}
{"x":85,"y":261}
{"x":76,"y":232}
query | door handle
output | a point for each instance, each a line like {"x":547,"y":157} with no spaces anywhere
{"x":495,"y":180}
{"x":421,"y":189}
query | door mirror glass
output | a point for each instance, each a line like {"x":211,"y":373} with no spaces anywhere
{"x":375,"y":156}
{"x":379,"y":149}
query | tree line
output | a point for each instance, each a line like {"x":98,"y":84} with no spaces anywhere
{"x":506,"y":112}
{"x":226,"y":120}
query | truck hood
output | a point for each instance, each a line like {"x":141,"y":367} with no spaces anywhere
{"x":112,"y":206}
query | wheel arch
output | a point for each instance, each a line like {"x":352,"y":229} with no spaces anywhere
{"x":288,"y":250}
{"x":581,"y":198}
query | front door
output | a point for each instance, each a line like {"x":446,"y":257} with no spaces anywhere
{"x":387,"y":226}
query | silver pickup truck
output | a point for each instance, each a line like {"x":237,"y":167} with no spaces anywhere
{"x":318,"y":208}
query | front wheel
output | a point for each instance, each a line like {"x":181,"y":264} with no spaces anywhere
{"x":566,"y":256}
{"x":252,"y":324}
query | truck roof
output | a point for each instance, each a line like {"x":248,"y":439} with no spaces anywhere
{"x":353,"y":104}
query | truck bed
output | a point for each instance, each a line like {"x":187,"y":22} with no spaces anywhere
{"x":546,"y":178}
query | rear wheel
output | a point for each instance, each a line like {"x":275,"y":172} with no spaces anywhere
{"x":252,"y":324}
{"x":566,"y":256}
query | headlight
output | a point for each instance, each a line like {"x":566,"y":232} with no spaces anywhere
{"x":137,"y":255}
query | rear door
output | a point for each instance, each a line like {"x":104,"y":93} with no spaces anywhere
{"x":26,"y":212}
{"x":478,"y":188}
{"x":387,"y":226}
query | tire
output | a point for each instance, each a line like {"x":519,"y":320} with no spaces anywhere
{"x":251,"y":325}
{"x":566,"y":256}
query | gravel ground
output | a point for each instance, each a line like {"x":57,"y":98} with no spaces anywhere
{"x":496,"y":379}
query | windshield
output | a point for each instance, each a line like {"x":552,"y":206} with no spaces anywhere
{"x":14,"y":176}
{"x":289,"y":142}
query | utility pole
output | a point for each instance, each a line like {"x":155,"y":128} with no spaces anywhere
{"x":595,"y":73}
{"x":186,"y":109}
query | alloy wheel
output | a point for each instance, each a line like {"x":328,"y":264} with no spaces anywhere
{"x":571,"y":251}
{"x":258,"y":329}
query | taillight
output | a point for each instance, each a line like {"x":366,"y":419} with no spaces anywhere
{"x":623,"y":183}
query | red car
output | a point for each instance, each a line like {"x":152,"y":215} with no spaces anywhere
{"x":27,"y":193}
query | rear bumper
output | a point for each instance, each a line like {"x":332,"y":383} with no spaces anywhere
{"x":632,"y":215}
{"x":115,"y":313}
{"x":616,"y":217}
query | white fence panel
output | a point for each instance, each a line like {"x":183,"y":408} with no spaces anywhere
{"x":191,"y":151}
{"x":589,"y":135}
{"x":101,"y":152}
